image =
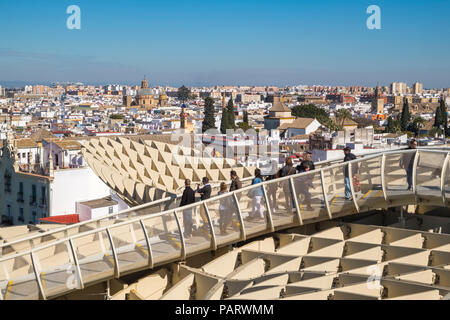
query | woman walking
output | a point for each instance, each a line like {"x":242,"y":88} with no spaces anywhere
{"x":257,"y":195}
{"x":225,"y":206}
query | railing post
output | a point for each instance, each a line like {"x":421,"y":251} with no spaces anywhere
{"x":147,"y":240}
{"x":241,"y":220}
{"x":294,"y":197}
{"x":183,"y":244}
{"x":37,"y":275}
{"x":352,"y":188}
{"x":443,"y":174}
{"x":414,"y":175}
{"x":113,"y":249}
{"x":211,"y":227}
{"x":325,"y":198}
{"x":269,"y":210}
{"x":383,"y":178}
{"x":77,"y":264}
{"x":333,"y":180}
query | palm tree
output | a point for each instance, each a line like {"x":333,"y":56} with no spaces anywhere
{"x":342,"y":115}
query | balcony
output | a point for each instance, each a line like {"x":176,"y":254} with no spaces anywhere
{"x":42,"y":203}
{"x":20,"y":197}
{"x":33,"y":201}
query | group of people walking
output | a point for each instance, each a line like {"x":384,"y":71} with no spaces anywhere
{"x":302,"y":185}
{"x":225,"y":205}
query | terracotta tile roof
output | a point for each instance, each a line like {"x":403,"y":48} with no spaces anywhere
{"x":26,"y":143}
{"x":299,"y":123}
{"x":42,"y":134}
{"x":64,"y":219}
{"x":68,"y":144}
{"x":279,"y":106}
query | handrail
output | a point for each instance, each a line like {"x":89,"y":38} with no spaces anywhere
{"x":167,"y":212}
{"x":151,"y":204}
{"x":205,"y":204}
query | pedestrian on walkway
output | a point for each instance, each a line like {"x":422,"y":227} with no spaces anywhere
{"x":257,"y":194}
{"x":306,"y":161}
{"x":349,"y":157}
{"x":187,"y":198}
{"x":287,"y":170}
{"x":302,"y":186}
{"x":407,"y":163}
{"x":272,"y":188}
{"x":225,"y":210}
{"x":205,"y":193}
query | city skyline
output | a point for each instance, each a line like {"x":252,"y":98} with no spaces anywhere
{"x":202,"y":43}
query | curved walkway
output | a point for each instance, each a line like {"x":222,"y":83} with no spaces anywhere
{"x":150,"y":240}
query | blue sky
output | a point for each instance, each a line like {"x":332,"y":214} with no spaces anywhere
{"x":278,"y":42}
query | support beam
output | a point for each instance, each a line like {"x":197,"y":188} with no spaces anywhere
{"x":77,"y":264}
{"x":211,"y":227}
{"x":241,"y":220}
{"x":383,"y":179}
{"x":37,"y":275}
{"x":269,"y":210}
{"x":414,"y":175}
{"x":113,"y":249}
{"x":294,"y":197}
{"x":324,"y":191}
{"x":443,"y":175}
{"x":352,"y":188}
{"x":149,"y":248}
{"x":183,"y":244}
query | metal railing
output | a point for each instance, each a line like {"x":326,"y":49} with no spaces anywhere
{"x":158,"y":205}
{"x":157,"y":239}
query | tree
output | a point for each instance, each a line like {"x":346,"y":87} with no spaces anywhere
{"x":224,"y":121}
{"x":416,"y":124}
{"x":440,"y":118}
{"x":405,"y":116}
{"x":116,"y":116}
{"x":244,"y":126}
{"x":434,"y":131}
{"x":393,"y":126}
{"x":311,"y":111}
{"x":231,"y":123}
{"x":183,"y":94}
{"x":341,"y":116}
{"x":245,"y":120}
{"x":208,"y":120}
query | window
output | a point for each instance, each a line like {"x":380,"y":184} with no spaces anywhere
{"x":7,"y":177}
{"x":43,"y":196}
{"x":33,"y":194}
{"x":34,"y":217}
{"x":20,"y":193}
{"x":8,"y":210}
{"x":21,"y":217}
{"x":111,"y":209}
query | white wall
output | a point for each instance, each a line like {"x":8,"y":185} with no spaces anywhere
{"x":86,"y":213}
{"x":72,"y":185}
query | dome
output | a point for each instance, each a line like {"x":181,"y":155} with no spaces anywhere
{"x":145,"y":92}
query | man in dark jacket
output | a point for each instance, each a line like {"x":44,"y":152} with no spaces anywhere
{"x":349,"y":157}
{"x":205,"y":193}
{"x":407,"y":163}
{"x":236,"y":184}
{"x":306,"y":162}
{"x":187,"y":198}
{"x":287,"y":170}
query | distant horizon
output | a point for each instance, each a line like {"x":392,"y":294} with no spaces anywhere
{"x":205,"y":43}
{"x":20,"y":84}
